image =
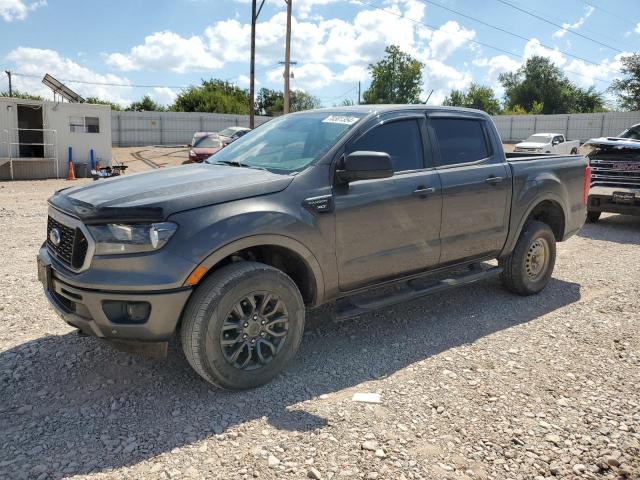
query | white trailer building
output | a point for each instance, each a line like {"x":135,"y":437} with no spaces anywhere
{"x":36,"y":138}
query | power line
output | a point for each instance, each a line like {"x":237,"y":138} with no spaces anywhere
{"x":500,"y":29}
{"x":539,"y":17}
{"x":433,"y":28}
{"x":106,"y":84}
{"x":619,"y":17}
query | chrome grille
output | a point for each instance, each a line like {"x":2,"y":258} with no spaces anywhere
{"x":616,"y":170}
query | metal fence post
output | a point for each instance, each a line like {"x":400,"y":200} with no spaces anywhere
{"x":602,"y":124}
{"x":566,"y":135}
{"x":511,"y":129}
{"x":161,"y":130}
{"x":119,"y":129}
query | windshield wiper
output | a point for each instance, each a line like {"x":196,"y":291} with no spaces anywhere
{"x":231,"y":163}
{"x":234,"y":163}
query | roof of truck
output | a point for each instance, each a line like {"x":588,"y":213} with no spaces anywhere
{"x":381,"y":108}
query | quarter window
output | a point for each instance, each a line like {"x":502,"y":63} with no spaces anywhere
{"x":460,"y":140}
{"x":400,"y":139}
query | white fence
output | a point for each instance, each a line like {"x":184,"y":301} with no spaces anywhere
{"x":131,"y":129}
{"x":576,"y":126}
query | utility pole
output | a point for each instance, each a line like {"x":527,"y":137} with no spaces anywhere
{"x":287,"y":58}
{"x":8,"y":72}
{"x":359,"y":92}
{"x":252,"y":74}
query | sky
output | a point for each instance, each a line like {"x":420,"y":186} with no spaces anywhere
{"x":156,"y":47}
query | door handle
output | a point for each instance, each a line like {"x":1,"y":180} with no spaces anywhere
{"x":493,"y":179}
{"x":423,"y":191}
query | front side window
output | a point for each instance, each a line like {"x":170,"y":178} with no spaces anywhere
{"x":558,"y":139}
{"x":400,"y":139}
{"x":290,"y":143}
{"x":460,"y":140}
{"x":632,"y":133}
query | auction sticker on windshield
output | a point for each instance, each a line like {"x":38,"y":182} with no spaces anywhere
{"x":343,"y":119}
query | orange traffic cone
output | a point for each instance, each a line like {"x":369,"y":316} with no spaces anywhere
{"x":71,"y":175}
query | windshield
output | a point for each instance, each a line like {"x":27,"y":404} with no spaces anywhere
{"x":206,"y":142}
{"x":289,"y":143}
{"x":632,"y":133}
{"x":227,"y":132}
{"x":539,"y":139}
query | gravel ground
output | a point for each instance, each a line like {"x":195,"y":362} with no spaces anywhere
{"x":473,"y":384}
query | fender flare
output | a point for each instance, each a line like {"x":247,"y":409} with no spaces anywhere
{"x":509,"y":246}
{"x":275,"y":240}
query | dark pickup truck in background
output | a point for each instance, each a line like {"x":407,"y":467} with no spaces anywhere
{"x":615,"y":180}
{"x":361,"y":206}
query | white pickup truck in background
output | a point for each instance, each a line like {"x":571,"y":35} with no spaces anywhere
{"x":548,"y":143}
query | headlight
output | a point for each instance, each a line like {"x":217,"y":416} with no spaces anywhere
{"x":192,"y":153}
{"x":115,"y":238}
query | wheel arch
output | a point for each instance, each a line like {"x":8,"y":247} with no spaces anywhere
{"x":548,"y":209}
{"x":279,"y":251}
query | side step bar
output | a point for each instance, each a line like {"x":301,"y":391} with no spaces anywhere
{"x":349,"y":307}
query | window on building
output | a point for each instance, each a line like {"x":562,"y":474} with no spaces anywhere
{"x":84,"y":124}
{"x":92,"y":124}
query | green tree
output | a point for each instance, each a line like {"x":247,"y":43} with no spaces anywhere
{"x":477,"y":96}
{"x":146,"y":104}
{"x":98,"y":101}
{"x":540,"y":80}
{"x":271,"y":102}
{"x":213,"y":96}
{"x":397,"y":78}
{"x":19,"y":94}
{"x":300,"y":100}
{"x":627,"y":89}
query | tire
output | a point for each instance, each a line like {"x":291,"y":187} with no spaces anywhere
{"x":593,"y":216}
{"x":520,"y":273}
{"x":574,"y":151}
{"x":233,"y":297}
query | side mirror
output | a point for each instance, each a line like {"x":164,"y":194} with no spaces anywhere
{"x":364,"y":166}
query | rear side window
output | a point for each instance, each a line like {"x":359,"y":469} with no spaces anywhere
{"x":460,"y":140}
{"x":400,"y":139}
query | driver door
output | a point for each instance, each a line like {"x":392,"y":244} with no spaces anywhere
{"x":389,"y":227}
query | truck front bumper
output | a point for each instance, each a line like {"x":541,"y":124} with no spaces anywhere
{"x":154,"y":315}
{"x":625,"y":201}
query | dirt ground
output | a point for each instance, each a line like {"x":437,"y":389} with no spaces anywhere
{"x":476,"y":383}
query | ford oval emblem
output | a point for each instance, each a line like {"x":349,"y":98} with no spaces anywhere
{"x":54,"y":236}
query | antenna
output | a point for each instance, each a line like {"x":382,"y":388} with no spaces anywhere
{"x":61,"y":89}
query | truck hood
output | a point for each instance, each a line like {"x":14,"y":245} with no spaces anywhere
{"x":615,"y":142}
{"x":531,"y":145}
{"x":153,"y":196}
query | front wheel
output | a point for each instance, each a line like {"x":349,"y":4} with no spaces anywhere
{"x":528,"y":269}
{"x":243,"y":325}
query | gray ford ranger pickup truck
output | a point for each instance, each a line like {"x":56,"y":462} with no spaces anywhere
{"x":362,"y":207}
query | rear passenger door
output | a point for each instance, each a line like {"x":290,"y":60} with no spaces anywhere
{"x":389,"y":227}
{"x":476,"y":187}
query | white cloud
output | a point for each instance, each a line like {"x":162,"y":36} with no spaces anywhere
{"x":442,"y":78}
{"x":497,"y":65}
{"x":637,"y":30}
{"x":163,"y":95}
{"x":36,"y":61}
{"x":166,"y":51}
{"x":576,"y":25}
{"x":534,"y":47}
{"x":448,"y":38}
{"x":353,"y":73}
{"x":11,"y":10}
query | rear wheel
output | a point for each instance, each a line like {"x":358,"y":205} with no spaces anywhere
{"x":593,"y":216}
{"x":574,"y":151}
{"x":243,"y":325}
{"x":528,"y":269}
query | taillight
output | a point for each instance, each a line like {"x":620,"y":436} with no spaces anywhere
{"x":586,"y":185}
